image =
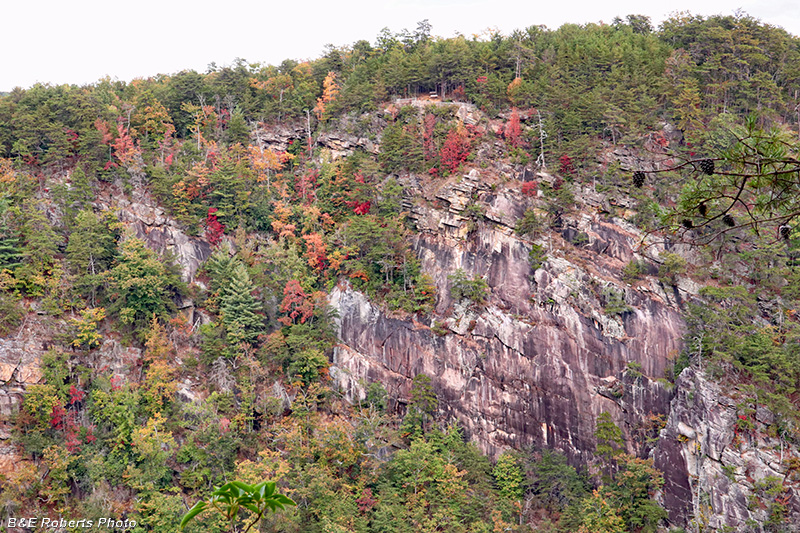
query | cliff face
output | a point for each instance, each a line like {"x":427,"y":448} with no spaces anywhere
{"x":533,"y":366}
{"x":538,"y":362}
{"x":721,"y":470}
{"x":541,"y":360}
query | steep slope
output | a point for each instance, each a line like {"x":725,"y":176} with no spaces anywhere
{"x":540,"y":360}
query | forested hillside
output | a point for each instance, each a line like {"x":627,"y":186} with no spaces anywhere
{"x":421,"y":284}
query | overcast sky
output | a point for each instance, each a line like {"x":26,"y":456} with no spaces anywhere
{"x":81,"y":41}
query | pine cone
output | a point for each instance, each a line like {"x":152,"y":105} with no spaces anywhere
{"x":728,"y":221}
{"x":784,"y":232}
{"x":687,"y":223}
{"x":703,"y":209}
{"x":638,"y":178}
{"x":707,"y":166}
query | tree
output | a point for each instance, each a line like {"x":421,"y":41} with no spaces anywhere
{"x":509,"y":476}
{"x":609,"y":437}
{"x":752,"y":182}
{"x":330,"y":89}
{"x":91,"y":250}
{"x":632,"y":492}
{"x":462,"y":288}
{"x":39,"y":246}
{"x":421,"y":406}
{"x":513,"y":131}
{"x":455,"y":149}
{"x":141,"y":285}
{"x":599,"y":516}
{"x":296,"y":304}
{"x":239,"y":309}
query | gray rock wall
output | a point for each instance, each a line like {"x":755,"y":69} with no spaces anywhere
{"x":713,"y":469}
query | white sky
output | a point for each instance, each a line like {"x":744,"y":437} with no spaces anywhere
{"x":81,"y":41}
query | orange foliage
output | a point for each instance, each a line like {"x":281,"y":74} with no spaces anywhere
{"x":330,"y":89}
{"x":315,"y":251}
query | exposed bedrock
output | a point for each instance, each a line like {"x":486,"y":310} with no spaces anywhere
{"x":539,"y":361}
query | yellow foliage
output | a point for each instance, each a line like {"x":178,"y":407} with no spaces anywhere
{"x":153,"y":440}
{"x":8,"y":175}
{"x":159,"y":385}
{"x":87,"y":328}
{"x":270,"y":465}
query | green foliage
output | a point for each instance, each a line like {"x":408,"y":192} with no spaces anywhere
{"x":633,"y":369}
{"x":722,"y":333}
{"x":238,"y":309}
{"x":632,"y":491}
{"x":462,"y":288}
{"x":377,"y":397}
{"x":633,"y":271}
{"x":672,"y":266}
{"x":600,"y":516}
{"x":232,"y":497}
{"x":11,"y":313}
{"x":91,"y":250}
{"x":529,"y":224}
{"x":614,"y":302}
{"x":86,"y":326}
{"x":401,"y":147}
{"x":122,"y":439}
{"x":609,"y":437}
{"x":141,"y":285}
{"x":509,"y":476}
{"x":556,"y":485}
{"x":39,"y":248}
{"x":422,"y":405}
{"x":307,"y":365}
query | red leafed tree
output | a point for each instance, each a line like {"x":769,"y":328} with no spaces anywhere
{"x":104,"y":130}
{"x":566,"y":165}
{"x":362,"y":208}
{"x":455,"y":149}
{"x":57,"y":416}
{"x":513,"y":131}
{"x":75,"y":395}
{"x":315,"y":251}
{"x":214,"y":228}
{"x":296,"y":304}
{"x":305,"y":187}
{"x":125,"y":149}
{"x":529,"y":188}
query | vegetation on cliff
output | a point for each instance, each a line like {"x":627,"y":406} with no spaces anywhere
{"x":238,"y":157}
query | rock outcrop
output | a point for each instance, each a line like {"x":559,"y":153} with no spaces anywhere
{"x":724,"y":468}
{"x":534,"y":365}
{"x":149,"y":222}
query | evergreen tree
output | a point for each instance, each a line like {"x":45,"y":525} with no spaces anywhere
{"x":10,"y":255}
{"x":220,"y":267}
{"x":141,"y":285}
{"x":39,"y":246}
{"x":91,"y":250}
{"x":239,"y":309}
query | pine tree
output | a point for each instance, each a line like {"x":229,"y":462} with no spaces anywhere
{"x":10,"y":256}
{"x":141,"y":285}
{"x":220,"y":267}
{"x":91,"y":250}
{"x":239,"y":309}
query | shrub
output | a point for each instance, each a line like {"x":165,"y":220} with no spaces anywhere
{"x":614,"y":303}
{"x":672,"y":266}
{"x":463,"y":288}
{"x":537,"y":256}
